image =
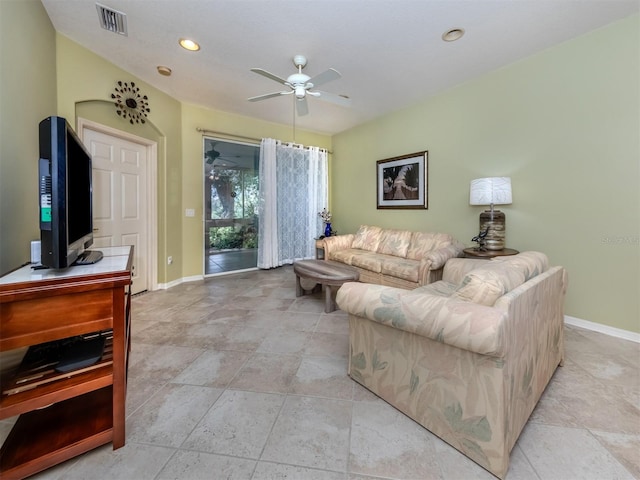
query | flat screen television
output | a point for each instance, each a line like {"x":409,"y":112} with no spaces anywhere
{"x":66,"y":218}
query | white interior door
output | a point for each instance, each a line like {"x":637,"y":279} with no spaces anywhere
{"x":120,"y":198}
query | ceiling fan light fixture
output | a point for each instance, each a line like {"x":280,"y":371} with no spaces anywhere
{"x":189,"y":44}
{"x":301,"y":85}
{"x":453,"y":34}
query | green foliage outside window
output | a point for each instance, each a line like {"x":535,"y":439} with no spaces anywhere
{"x":226,"y":238}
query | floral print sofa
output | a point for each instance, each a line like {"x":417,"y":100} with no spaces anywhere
{"x":398,"y":258}
{"x":467,"y":357}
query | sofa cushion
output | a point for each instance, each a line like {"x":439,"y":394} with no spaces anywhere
{"x":395,"y":242}
{"x":404,"y":268}
{"x":424,"y":242}
{"x":345,"y":256}
{"x":487,"y":283}
{"x":367,"y":238}
{"x":370,"y":261}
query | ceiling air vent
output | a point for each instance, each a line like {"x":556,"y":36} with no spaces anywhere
{"x":112,"y":20}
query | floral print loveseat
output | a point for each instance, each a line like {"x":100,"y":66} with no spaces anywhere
{"x":398,"y":258}
{"x":467,"y":357}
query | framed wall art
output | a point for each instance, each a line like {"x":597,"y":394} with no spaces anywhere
{"x":402,"y":181}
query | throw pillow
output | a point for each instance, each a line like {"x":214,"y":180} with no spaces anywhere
{"x":367,"y":238}
{"x":485,"y":284}
{"x":395,"y":242}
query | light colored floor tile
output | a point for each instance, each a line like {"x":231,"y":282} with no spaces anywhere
{"x":519,"y":466}
{"x":133,"y":461}
{"x":170,"y":416}
{"x":323,"y":377}
{"x":292,"y":342}
{"x":238,"y":424}
{"x":261,"y":303}
{"x":242,"y":339}
{"x":331,"y":344}
{"x":626,"y":449}
{"x":311,"y":432}
{"x":335,"y":322}
{"x":454,"y":464}
{"x":272,"y":471}
{"x":386,"y":443}
{"x":611,"y":370}
{"x":213,"y":368}
{"x":559,"y":453}
{"x":189,"y":465}
{"x":160,"y":362}
{"x":586,"y":404}
{"x":267,"y":372}
{"x":139,"y":392}
{"x":299,"y":321}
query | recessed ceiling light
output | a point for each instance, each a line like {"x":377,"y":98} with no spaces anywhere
{"x":189,"y":45}
{"x":162,"y":70}
{"x":453,"y":35}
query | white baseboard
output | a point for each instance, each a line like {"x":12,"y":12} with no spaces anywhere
{"x":598,"y":327}
{"x":174,"y":283}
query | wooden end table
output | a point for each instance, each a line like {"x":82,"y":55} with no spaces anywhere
{"x":474,"y":253}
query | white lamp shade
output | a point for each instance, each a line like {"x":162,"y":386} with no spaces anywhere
{"x":490,"y":191}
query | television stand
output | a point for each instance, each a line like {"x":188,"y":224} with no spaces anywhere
{"x":89,"y":257}
{"x":65,"y":414}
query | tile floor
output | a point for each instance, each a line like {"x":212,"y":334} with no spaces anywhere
{"x":234,"y":377}
{"x":231,"y":260}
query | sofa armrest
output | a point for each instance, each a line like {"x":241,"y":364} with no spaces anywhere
{"x":437,"y":259}
{"x":424,"y":312}
{"x":336,"y":243}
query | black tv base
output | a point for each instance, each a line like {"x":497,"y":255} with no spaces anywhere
{"x":88,"y":257}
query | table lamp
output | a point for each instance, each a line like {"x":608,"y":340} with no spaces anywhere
{"x":491,"y":191}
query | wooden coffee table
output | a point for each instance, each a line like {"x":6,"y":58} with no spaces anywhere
{"x":325,"y":273}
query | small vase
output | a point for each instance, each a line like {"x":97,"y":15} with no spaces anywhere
{"x":327,"y":230}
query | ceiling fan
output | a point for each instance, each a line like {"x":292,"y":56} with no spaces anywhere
{"x":225,"y":159}
{"x":301,"y":85}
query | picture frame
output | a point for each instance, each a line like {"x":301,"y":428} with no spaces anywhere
{"x":402,"y":182}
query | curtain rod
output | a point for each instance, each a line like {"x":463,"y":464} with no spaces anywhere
{"x":242,"y":137}
{"x":232,"y":135}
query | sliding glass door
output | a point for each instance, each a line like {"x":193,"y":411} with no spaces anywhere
{"x":231,"y":203}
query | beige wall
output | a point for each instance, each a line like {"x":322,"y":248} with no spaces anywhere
{"x":564,"y":125}
{"x":27,"y":95}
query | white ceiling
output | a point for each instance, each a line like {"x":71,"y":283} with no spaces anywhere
{"x":389,"y":52}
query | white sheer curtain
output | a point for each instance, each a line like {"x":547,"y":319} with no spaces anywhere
{"x":293,"y":189}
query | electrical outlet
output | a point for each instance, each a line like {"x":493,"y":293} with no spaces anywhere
{"x":169,"y":260}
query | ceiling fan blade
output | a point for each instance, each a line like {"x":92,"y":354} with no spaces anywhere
{"x":301,"y":106}
{"x":264,"y":73}
{"x":268,"y":95}
{"x":325,"y":77}
{"x":333,"y":98}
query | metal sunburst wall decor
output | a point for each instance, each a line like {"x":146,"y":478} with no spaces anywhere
{"x":130,"y":103}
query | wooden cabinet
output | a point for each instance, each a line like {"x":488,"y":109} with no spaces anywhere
{"x":64,"y":415}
